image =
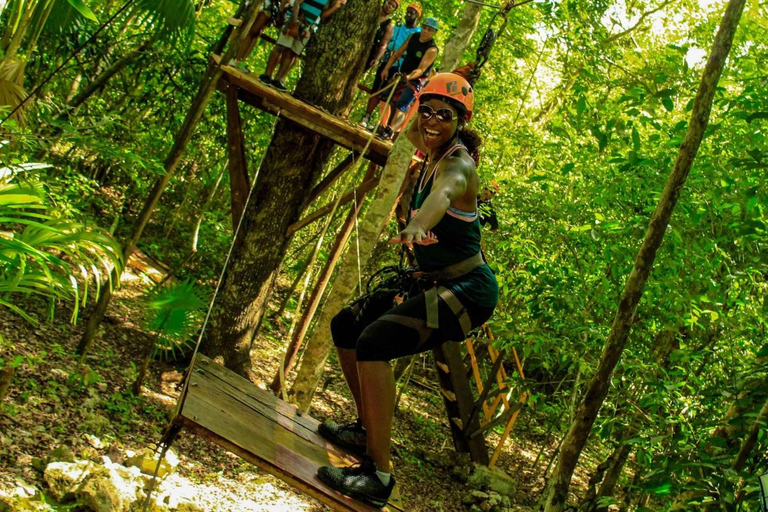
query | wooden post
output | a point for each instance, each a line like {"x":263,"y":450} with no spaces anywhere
{"x":238,"y":163}
{"x":459,"y":402}
{"x":317,"y":293}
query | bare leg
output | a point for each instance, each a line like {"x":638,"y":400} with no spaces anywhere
{"x":286,"y":63}
{"x":397,"y":123}
{"x":247,"y":45}
{"x":274,"y":59}
{"x":377,"y":385}
{"x":348,"y":360}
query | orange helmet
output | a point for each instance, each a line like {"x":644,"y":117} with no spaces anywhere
{"x":452,"y":86}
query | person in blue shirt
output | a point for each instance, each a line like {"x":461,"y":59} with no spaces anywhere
{"x":399,"y":36}
{"x":301,"y":21}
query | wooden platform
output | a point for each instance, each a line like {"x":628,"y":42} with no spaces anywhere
{"x":233,"y":413}
{"x":341,"y":131}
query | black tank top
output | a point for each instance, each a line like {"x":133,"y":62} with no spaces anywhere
{"x":377,"y":38}
{"x":413,"y":54}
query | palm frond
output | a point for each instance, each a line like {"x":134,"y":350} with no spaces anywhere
{"x":175,"y":313}
{"x":173,"y":20}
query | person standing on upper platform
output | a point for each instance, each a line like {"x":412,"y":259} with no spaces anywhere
{"x":398,"y":37}
{"x":418,"y":53}
{"x":301,"y":21}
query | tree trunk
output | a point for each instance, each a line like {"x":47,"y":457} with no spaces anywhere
{"x":237,"y":160}
{"x":457,"y":43}
{"x":557,"y":488}
{"x":203,"y":96}
{"x":293,"y":163}
{"x":319,"y":345}
{"x":120,"y":64}
{"x":751,"y":440}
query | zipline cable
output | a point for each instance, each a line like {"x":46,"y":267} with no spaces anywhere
{"x":74,"y":54}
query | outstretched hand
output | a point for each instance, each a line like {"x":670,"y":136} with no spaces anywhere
{"x":414,"y":235}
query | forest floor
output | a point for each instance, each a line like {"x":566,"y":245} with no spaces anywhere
{"x":44,"y":411}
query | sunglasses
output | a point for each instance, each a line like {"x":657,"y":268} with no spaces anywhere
{"x":444,"y":115}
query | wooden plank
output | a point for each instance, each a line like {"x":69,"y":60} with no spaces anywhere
{"x":253,"y":424}
{"x":341,"y":131}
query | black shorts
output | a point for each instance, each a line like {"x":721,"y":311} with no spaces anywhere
{"x":380,"y":332}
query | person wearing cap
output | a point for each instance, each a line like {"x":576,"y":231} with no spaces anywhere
{"x":485,"y":205}
{"x":419,"y":53}
{"x":458,"y":291}
{"x":398,"y":37}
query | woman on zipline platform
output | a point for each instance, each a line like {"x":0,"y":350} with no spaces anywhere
{"x":461,"y":291}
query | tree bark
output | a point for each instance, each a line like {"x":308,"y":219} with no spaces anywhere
{"x":239,"y":183}
{"x":203,"y":96}
{"x":457,"y":43}
{"x":294,"y":161}
{"x":751,"y":440}
{"x":370,"y":227}
{"x":557,"y":488}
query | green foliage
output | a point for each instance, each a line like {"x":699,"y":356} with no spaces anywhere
{"x":44,"y":254}
{"x":175,"y":313}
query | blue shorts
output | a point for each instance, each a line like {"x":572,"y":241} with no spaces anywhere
{"x":408,"y":95}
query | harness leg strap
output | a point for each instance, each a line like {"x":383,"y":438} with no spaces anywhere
{"x":432,"y":313}
{"x":458,"y":309}
{"x":456,"y":306}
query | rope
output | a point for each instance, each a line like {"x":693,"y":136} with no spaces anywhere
{"x":74,"y":54}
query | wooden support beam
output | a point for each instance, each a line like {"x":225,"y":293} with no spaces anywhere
{"x":501,"y":419}
{"x":341,"y":131}
{"x":457,"y":382}
{"x":237,"y":161}
{"x":484,"y":395}
{"x":360,"y":191}
{"x":325,"y":276}
{"x":332,"y":176}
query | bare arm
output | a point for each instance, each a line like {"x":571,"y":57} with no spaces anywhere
{"x":330,"y":9}
{"x":449,"y":186}
{"x":426,"y":61}
{"x":395,"y":57}
{"x":384,"y":42}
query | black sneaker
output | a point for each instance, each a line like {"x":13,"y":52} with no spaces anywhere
{"x":359,"y":482}
{"x":280,"y":86}
{"x":351,"y":436}
{"x":384,"y":133}
{"x":265,"y":79}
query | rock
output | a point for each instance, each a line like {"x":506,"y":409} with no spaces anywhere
{"x":146,"y":461}
{"x":112,"y":488}
{"x":188,"y":506}
{"x":114,"y":454}
{"x":94,"y":441}
{"x":494,"y":480}
{"x":63,"y":478}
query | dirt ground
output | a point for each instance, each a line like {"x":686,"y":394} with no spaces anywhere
{"x":44,"y":410}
